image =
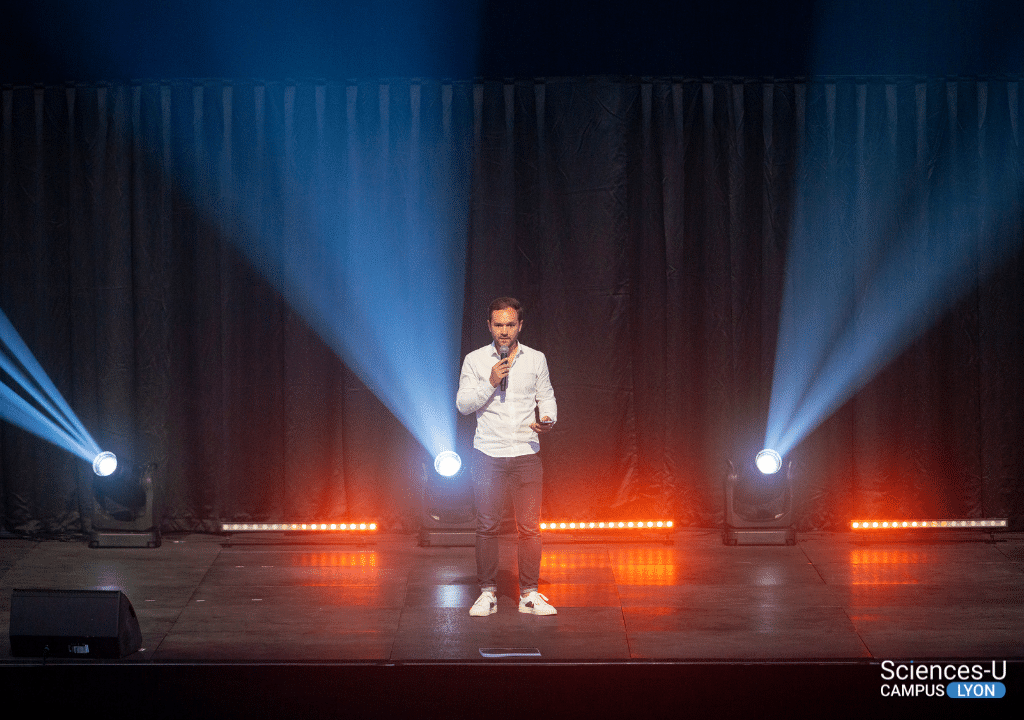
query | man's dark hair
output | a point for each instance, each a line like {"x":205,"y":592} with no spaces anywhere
{"x":502,"y":303}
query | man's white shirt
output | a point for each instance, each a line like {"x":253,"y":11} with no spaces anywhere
{"x":503,"y":418}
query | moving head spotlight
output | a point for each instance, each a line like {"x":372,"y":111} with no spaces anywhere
{"x":759,"y":502}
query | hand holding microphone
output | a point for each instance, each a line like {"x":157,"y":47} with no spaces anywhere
{"x":499,"y":373}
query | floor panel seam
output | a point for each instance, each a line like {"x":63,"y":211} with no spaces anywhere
{"x":188,"y":600}
{"x":842,"y":606}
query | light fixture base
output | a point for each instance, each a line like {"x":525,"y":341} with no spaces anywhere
{"x":759,"y":536}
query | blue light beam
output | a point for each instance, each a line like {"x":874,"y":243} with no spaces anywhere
{"x":362,"y":227}
{"x":851,"y":306}
{"x":389,"y":302}
{"x":53,"y":420}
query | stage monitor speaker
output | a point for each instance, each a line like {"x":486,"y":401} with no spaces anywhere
{"x":73,"y":623}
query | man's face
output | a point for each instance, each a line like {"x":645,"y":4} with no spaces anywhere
{"x":505,"y":326}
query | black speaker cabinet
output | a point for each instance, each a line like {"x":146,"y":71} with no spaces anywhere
{"x":73,"y":623}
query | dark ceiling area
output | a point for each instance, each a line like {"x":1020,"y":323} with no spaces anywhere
{"x":55,"y":41}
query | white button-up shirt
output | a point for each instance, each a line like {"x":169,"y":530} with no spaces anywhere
{"x":503,"y":418}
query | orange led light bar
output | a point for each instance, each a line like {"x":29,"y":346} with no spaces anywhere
{"x":980,"y":523}
{"x":309,"y":527}
{"x":615,"y":525}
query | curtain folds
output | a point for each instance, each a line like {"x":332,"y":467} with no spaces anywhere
{"x":148,"y":234}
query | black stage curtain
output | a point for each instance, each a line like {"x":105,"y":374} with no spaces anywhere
{"x":643,"y":223}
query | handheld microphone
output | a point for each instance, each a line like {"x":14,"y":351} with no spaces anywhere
{"x":503,"y":351}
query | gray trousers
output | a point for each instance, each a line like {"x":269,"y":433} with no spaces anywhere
{"x":496,"y":480}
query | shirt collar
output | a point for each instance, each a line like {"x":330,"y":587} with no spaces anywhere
{"x":494,"y":349}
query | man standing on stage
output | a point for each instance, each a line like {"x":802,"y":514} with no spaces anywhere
{"x":503,"y":383}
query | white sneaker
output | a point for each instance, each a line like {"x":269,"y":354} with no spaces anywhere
{"x":486,"y":604}
{"x":535,"y":604}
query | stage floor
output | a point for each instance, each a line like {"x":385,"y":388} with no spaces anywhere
{"x":831,"y":597}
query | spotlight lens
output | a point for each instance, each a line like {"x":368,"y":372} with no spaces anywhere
{"x":104,"y":464}
{"x":448,"y":463}
{"x":768,"y":462}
